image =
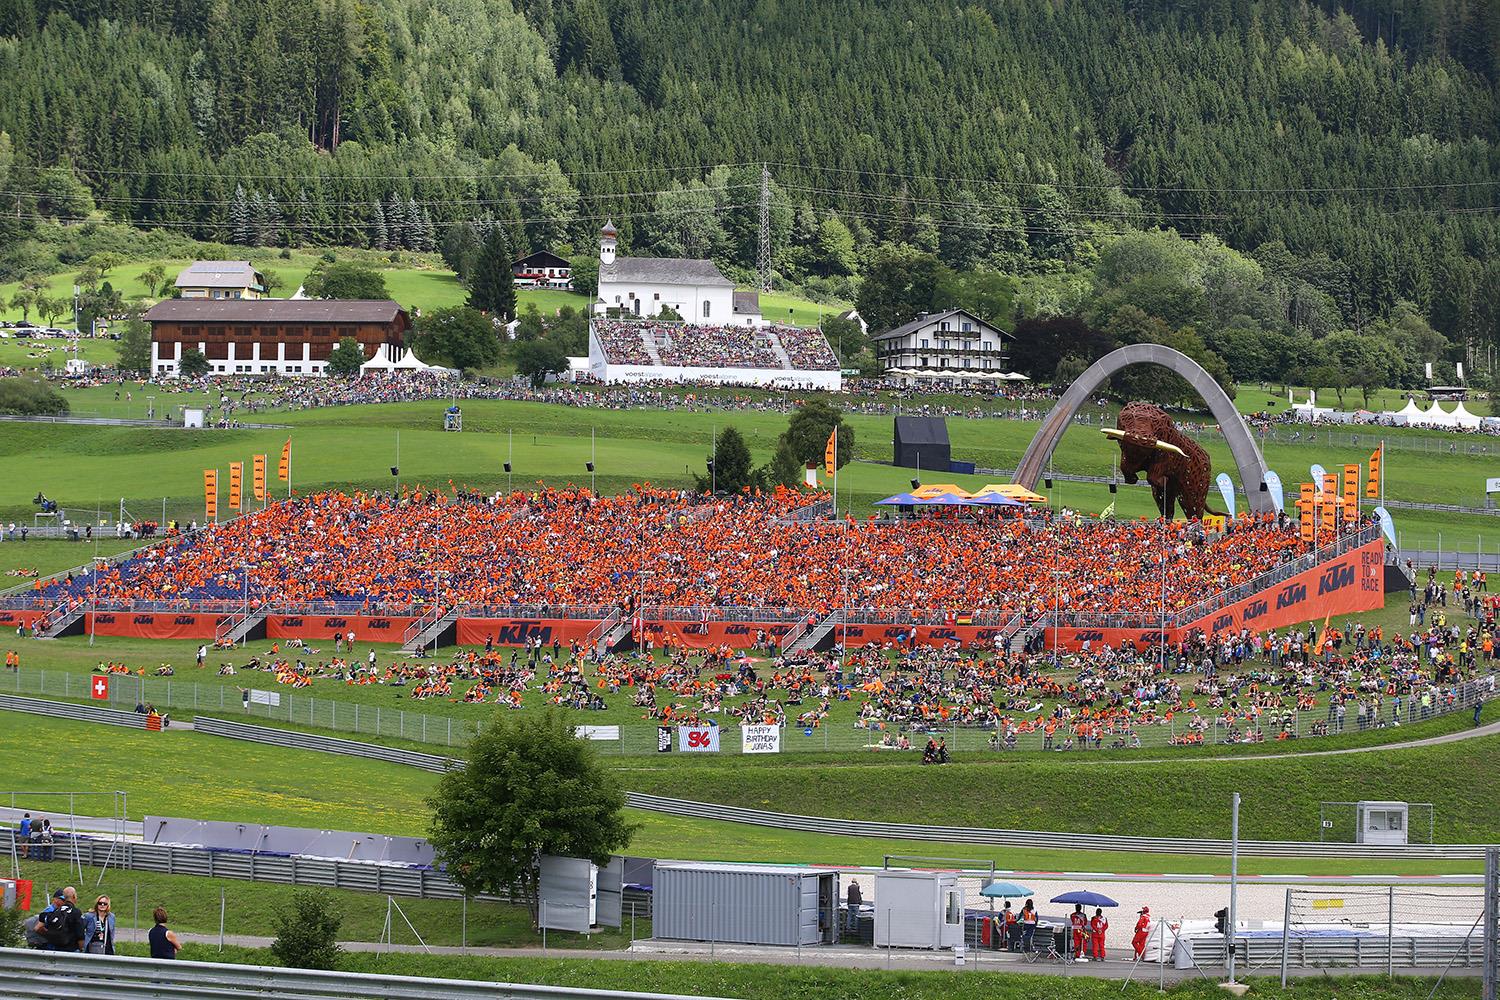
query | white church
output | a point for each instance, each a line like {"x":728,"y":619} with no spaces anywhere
{"x":694,"y":289}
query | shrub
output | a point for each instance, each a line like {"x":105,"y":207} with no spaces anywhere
{"x":29,"y":397}
{"x":307,"y":932}
{"x":11,"y":934}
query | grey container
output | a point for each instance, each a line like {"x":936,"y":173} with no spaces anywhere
{"x":744,"y":904}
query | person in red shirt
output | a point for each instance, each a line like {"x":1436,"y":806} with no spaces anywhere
{"x":1080,"y":925}
{"x":1142,"y":929}
{"x":1097,"y":926}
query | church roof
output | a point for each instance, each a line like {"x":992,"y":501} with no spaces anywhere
{"x":663,"y":271}
{"x":609,"y":229}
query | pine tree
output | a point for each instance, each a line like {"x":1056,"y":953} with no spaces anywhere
{"x":379,"y":234}
{"x":492,"y":287}
{"x":274,"y":222}
{"x":412,"y":233}
{"x":395,"y":221}
{"x":239,"y":217}
{"x":257,"y":219}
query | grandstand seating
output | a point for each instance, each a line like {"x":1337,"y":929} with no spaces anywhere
{"x":699,"y":345}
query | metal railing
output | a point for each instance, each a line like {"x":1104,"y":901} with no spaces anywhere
{"x":430,"y":617}
{"x":78,"y":713}
{"x":27,"y":974}
{"x":323,"y":744}
{"x":597,"y":633}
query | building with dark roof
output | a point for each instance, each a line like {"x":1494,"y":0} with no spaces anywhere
{"x":220,"y":279}
{"x":642,"y":286}
{"x":543,"y":269}
{"x":955,"y":341}
{"x":270,"y":336}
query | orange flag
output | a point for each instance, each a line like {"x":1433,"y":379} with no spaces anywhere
{"x":236,"y":484}
{"x":830,"y":453}
{"x":211,"y":494}
{"x":260,"y":477}
{"x":1372,"y":485}
{"x":286,"y":461}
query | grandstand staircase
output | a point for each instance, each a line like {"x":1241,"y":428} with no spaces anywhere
{"x":64,"y":620}
{"x":807,"y":634}
{"x":429,"y":629}
{"x":237,"y":627}
{"x":608,"y":634}
{"x":649,"y":343}
{"x":776,"y":348}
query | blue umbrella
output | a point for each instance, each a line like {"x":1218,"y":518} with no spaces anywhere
{"x":901,"y":499}
{"x":1004,"y":890}
{"x":1086,"y":898}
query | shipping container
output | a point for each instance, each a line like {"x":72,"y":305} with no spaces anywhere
{"x":745,"y":904}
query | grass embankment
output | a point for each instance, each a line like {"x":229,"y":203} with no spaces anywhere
{"x":204,"y":777}
{"x":349,"y":447}
{"x":48,"y":556}
{"x":787,"y":982}
{"x":252,"y":908}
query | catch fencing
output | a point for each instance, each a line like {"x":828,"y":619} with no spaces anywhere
{"x":78,"y":713}
{"x":42,"y":974}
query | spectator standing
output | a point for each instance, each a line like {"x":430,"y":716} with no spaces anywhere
{"x":99,"y":928}
{"x":23,"y":840}
{"x":1142,"y":929}
{"x":1028,"y":925}
{"x":164,"y":942}
{"x":61,"y":925}
{"x":856,"y":900}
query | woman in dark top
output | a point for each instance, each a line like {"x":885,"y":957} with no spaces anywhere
{"x":164,"y":943}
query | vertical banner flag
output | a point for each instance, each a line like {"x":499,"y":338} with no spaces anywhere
{"x":1387,"y":527}
{"x":260,"y":477}
{"x":1351,"y":493}
{"x":1226,"y":490}
{"x":1331,"y":504}
{"x":286,"y":461}
{"x":830,"y":453}
{"x":1317,"y":477}
{"x":1305,"y":504}
{"x":1372,"y":484}
{"x":236,"y":484}
{"x":1273,"y":487}
{"x":211,"y":494}
{"x":99,"y":690}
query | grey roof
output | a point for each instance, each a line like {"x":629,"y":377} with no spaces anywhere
{"x":663,"y":271}
{"x":218,"y":274}
{"x":925,"y":321}
{"x":747,"y":303}
{"x":274,"y":311}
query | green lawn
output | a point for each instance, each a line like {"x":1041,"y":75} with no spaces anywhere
{"x":1257,"y":398}
{"x":48,"y":556}
{"x":252,"y":908}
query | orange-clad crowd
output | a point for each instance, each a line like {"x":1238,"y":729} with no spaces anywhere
{"x":669,"y":547}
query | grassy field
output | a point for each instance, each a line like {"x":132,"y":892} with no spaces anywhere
{"x":205,"y":777}
{"x":49,"y":556}
{"x":1272,"y":399}
{"x":786,"y":982}
{"x":353,"y":447}
{"x":252,"y":908}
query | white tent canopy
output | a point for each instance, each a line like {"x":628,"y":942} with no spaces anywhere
{"x":409,"y":362}
{"x":379,"y":363}
{"x":1463,"y":418}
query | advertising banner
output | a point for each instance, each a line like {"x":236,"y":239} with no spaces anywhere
{"x":663,"y":739}
{"x":15,"y":619}
{"x":1353,"y":582}
{"x":698,"y":739}
{"x":153,"y":625}
{"x":760,"y":739}
{"x":236,"y":484}
{"x":607,"y":733}
{"x":710,"y":635}
{"x":366,"y":628}
{"x":520,"y":631}
{"x":260,"y":477}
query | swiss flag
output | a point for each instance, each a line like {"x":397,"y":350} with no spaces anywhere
{"x":100,"y":689}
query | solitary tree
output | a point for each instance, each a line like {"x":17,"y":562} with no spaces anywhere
{"x":135,"y":345}
{"x":536,"y":359}
{"x":492,"y":286}
{"x":529,"y":788}
{"x":808,"y":429}
{"x":731,"y":463}
{"x":155,"y":279}
{"x":457,"y":336}
{"x":346,"y":280}
{"x":193,"y":364}
{"x":346,"y":358}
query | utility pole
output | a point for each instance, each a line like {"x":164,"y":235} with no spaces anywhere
{"x":763,"y":276}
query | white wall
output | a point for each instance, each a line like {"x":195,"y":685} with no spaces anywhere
{"x":244,"y":359}
{"x":688,"y":300}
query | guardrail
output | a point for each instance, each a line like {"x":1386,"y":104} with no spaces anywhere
{"x":1035,"y":838}
{"x":78,"y":713}
{"x":1367,"y":951}
{"x":46,"y":974}
{"x":324,"y":744}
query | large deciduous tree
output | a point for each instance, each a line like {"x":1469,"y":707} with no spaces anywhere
{"x":529,"y":788}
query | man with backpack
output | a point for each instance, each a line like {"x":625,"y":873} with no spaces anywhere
{"x":60,"y":926}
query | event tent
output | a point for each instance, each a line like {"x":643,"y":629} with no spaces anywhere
{"x":1463,"y":418}
{"x":1012,"y":491}
{"x":379,"y":363}
{"x":938,"y":489}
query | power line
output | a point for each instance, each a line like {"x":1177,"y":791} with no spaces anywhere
{"x":421,"y":203}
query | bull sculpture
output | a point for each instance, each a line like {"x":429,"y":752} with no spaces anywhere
{"x":1176,"y":466}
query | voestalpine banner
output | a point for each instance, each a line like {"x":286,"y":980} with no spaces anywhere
{"x":1226,"y":490}
{"x":1387,"y":526}
{"x":1273,"y":487}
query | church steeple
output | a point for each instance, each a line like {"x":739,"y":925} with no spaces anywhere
{"x":607,"y":243}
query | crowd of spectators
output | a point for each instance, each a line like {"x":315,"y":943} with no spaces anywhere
{"x":565,"y":546}
{"x":703,"y":345}
{"x":806,"y":347}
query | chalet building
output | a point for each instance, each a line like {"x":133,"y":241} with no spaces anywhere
{"x":270,"y":336}
{"x":543,"y":269}
{"x":954,"y":341}
{"x":221,"y":279}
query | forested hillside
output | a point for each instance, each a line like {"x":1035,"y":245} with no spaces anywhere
{"x":1359,"y":141}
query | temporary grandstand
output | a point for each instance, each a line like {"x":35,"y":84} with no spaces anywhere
{"x":666,"y":351}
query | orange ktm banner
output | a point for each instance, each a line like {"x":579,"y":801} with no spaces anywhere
{"x":830,"y":453}
{"x":1372,"y":485}
{"x":260,"y":477}
{"x":1351,"y":492}
{"x":211,"y":494}
{"x":286,"y":461}
{"x":236,"y":484}
{"x":1305,"y":505}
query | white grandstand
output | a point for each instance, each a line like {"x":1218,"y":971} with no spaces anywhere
{"x":666,"y":351}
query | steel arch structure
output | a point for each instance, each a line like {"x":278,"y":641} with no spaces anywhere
{"x":1247,"y":457}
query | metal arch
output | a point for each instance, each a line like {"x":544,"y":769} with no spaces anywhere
{"x":1247,"y":457}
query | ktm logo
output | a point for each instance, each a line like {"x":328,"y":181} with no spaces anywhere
{"x":944,"y":633}
{"x":140,"y":619}
{"x":1336,"y":578}
{"x":335,"y":622}
{"x":1292,"y":593}
{"x":110,"y":620}
{"x":1255,"y":609}
{"x":737,"y":630}
{"x":849,"y":631}
{"x":380,"y":623}
{"x":521,"y":633}
{"x":185,"y":620}
{"x":291,"y":623}
{"x":1088,"y":636}
{"x":1222,"y":622}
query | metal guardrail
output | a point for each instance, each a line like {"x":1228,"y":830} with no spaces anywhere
{"x":1366,"y":951}
{"x":1035,"y":838}
{"x":323,"y":744}
{"x":46,"y":974}
{"x":78,"y":713}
